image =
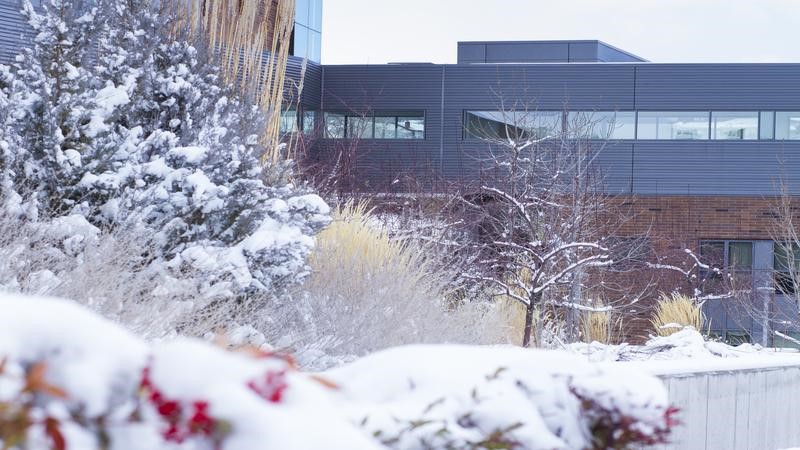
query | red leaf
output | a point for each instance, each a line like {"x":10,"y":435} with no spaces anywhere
{"x":54,"y":433}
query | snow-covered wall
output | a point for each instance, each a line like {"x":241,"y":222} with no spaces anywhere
{"x":729,"y":405}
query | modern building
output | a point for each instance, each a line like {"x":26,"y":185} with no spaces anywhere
{"x":697,"y":151}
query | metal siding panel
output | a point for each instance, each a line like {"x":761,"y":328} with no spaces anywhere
{"x":543,"y":87}
{"x":14,"y":31}
{"x":361,"y":89}
{"x":471,"y":53}
{"x":501,"y":52}
{"x":583,"y":51}
{"x":717,"y":86}
{"x":715,"y":167}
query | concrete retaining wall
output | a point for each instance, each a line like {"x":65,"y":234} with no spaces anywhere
{"x":752,"y":408}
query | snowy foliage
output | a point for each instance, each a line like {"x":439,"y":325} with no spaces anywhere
{"x":70,"y":380}
{"x":687,"y":344}
{"x":145,"y":136}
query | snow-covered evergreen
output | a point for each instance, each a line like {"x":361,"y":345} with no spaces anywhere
{"x":111,"y":118}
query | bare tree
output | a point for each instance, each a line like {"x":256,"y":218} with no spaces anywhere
{"x":542,"y":213}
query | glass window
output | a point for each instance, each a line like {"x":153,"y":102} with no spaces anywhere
{"x":386,"y":127}
{"x":786,"y":263}
{"x":315,"y":15}
{"x":734,"y":125}
{"x":308,"y":122}
{"x":767,"y":125}
{"x":301,"y":42}
{"x":740,"y":255}
{"x":334,"y":125}
{"x":314,"y":46}
{"x":412,"y":127}
{"x":673,"y":125}
{"x":512,"y":124}
{"x":359,"y":127}
{"x":730,"y":255}
{"x":302,"y":9}
{"x":602,"y":124}
{"x":288,"y":121}
{"x":787,"y":125}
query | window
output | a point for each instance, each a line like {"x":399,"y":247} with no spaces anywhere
{"x":288,"y":121}
{"x":410,"y":127}
{"x":308,"y":122}
{"x":512,"y":124}
{"x":334,"y":125}
{"x":786,"y":263}
{"x":731,"y":255}
{"x":359,"y":127}
{"x":673,"y":125}
{"x":383,"y":125}
{"x":734,"y":125}
{"x":767,"y":125}
{"x":787,"y":125}
{"x":602,"y":124}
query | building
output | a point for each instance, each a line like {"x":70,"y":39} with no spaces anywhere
{"x":697,"y":151}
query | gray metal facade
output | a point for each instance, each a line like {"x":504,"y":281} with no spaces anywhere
{"x":701,"y":167}
{"x":493,"y":52}
{"x":534,"y":72}
{"x":13,"y":30}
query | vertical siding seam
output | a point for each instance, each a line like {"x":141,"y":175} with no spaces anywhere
{"x":441,"y":126}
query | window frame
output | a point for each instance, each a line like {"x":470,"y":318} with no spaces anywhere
{"x":348,"y":115}
{"x":466,"y":135}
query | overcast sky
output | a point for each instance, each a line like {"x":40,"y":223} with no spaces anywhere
{"x":380,"y":31}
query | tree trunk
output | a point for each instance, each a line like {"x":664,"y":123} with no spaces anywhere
{"x":529,"y":308}
{"x":526,"y":338}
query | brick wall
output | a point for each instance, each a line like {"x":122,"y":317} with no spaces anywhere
{"x":688,"y":219}
{"x":675,"y":223}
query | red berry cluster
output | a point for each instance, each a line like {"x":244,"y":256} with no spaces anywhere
{"x":270,"y":387}
{"x":183,"y":420}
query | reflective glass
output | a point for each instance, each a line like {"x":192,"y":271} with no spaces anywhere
{"x":602,"y":124}
{"x":314,"y":15}
{"x":308,"y":121}
{"x":767,"y":125}
{"x":334,"y":125}
{"x":288,"y":121}
{"x":301,"y":44}
{"x":734,"y":125}
{"x":359,"y":127}
{"x":410,"y":128}
{"x":385,"y":127}
{"x":673,"y":125}
{"x":512,"y":124}
{"x":302,"y":9}
{"x":787,"y":125}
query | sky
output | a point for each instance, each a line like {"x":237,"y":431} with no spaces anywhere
{"x":381,"y":31}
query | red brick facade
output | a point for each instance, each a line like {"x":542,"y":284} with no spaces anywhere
{"x":685,"y":220}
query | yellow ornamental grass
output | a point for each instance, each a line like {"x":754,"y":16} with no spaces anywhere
{"x":597,"y":327}
{"x":675,"y":312}
{"x":354,"y":242}
{"x":253,"y":38}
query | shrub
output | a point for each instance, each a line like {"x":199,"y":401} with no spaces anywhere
{"x":145,"y":137}
{"x":367,"y":292}
{"x":676,"y":312}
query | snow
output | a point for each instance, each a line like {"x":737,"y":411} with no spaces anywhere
{"x":101,"y":369}
{"x":188,"y":394}
{"x":412,"y":393}
{"x":192,"y":155}
{"x":687,"y":352}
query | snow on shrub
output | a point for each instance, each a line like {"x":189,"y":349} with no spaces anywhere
{"x":110,"y":118}
{"x":442,"y":397}
{"x":71,"y":380}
